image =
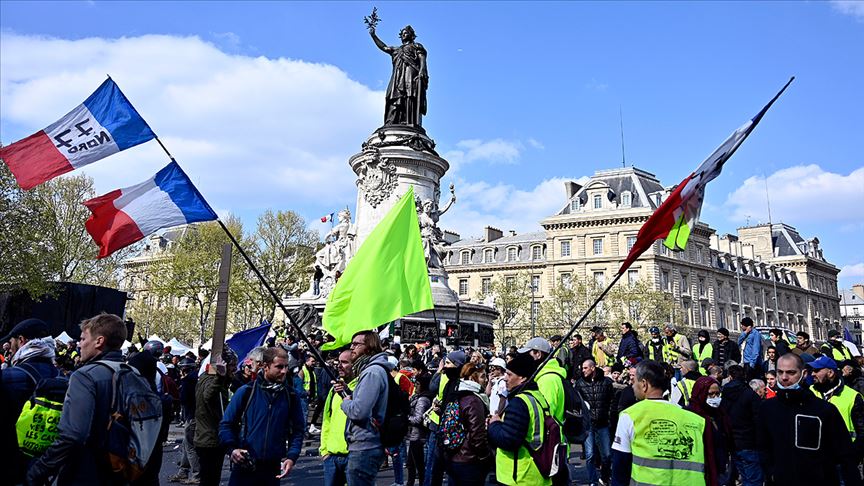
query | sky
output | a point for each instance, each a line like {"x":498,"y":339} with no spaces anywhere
{"x":263,"y":103}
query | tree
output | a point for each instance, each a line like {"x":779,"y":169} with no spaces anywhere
{"x":189,"y":274}
{"x":642,"y":305}
{"x":511,"y":296}
{"x":283,"y":249}
{"x":43,"y":236}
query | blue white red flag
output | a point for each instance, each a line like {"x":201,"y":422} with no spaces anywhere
{"x":328,"y":218}
{"x":245,"y":341}
{"x":104,"y":124}
{"x":127,"y":215}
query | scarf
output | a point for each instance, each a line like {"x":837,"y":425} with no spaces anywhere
{"x":35,"y":348}
{"x":474,"y":387}
{"x":272,"y":387}
{"x":360,"y":363}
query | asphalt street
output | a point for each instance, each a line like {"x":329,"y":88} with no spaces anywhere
{"x":309,"y":470}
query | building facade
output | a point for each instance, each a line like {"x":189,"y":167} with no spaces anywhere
{"x":767,"y":272}
{"x":852,"y":311}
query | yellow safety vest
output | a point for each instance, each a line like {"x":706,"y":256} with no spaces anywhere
{"x":840,"y":355}
{"x":685,"y":386}
{"x":518,"y":468}
{"x":652,"y":355}
{"x":333,"y":424}
{"x":669,"y":354}
{"x":844,"y":401}
{"x":600,"y":357}
{"x":706,"y":353}
{"x":307,"y":382}
{"x":667,"y":445}
{"x":431,"y":414}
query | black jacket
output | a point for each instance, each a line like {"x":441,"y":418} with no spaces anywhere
{"x":629,"y":346}
{"x":509,"y":432}
{"x":804,"y":439}
{"x":599,"y":393}
{"x":578,"y":355}
{"x":725,"y":351}
{"x":741,"y":405}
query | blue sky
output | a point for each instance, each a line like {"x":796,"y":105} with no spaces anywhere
{"x":263,"y":103}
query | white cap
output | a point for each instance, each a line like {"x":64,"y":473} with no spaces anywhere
{"x":499,"y":363}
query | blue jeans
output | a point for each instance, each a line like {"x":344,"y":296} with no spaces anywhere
{"x":597,"y":442}
{"x":335,"y":467}
{"x":433,"y":461}
{"x":398,"y":454}
{"x":467,"y":473}
{"x":749,"y":468}
{"x":363,"y":466}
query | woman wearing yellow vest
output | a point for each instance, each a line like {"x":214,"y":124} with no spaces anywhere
{"x":702,"y":350}
{"x":519,"y":427}
{"x":656,"y":442}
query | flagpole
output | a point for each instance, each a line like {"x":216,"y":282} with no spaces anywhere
{"x":566,"y":338}
{"x":301,"y":334}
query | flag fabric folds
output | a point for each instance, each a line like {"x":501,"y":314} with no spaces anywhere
{"x":104,"y":124}
{"x":386,"y":279}
{"x":127,"y":215}
{"x":245,"y":341}
{"x":328,"y":218}
{"x":679,"y":213}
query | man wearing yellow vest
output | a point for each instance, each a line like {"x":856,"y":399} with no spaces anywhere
{"x":602,"y":350}
{"x":309,"y":388}
{"x":520,"y":426}
{"x":683,"y":388}
{"x":334,"y":449}
{"x":657,"y":442}
{"x":654,"y":347}
{"x":835,"y":348}
{"x":702,"y":350}
{"x":829,"y":386}
{"x":676,"y":349}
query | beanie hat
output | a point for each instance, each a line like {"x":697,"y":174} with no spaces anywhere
{"x":522,"y":364}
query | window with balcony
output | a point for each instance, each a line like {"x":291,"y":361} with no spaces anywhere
{"x":702,"y":292}
{"x":664,"y":280}
{"x":685,"y":285}
{"x":535,"y":283}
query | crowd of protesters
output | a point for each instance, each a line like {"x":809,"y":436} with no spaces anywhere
{"x":661,"y":410}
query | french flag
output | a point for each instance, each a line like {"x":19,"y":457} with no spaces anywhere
{"x":127,"y":215}
{"x":104,"y":124}
{"x":327,"y":219}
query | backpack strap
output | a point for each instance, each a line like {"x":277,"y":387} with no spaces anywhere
{"x":23,"y":367}
{"x":537,"y":439}
{"x":247,"y":399}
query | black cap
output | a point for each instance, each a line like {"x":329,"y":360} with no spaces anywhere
{"x":522,"y":364}
{"x":29,"y":328}
{"x":556,"y":337}
{"x":832,"y":333}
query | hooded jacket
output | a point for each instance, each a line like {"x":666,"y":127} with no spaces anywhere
{"x":366,"y":407}
{"x":804,"y":439}
{"x":598,"y":392}
{"x":262,"y":421}
{"x":741,"y":404}
{"x":549,"y":382}
{"x":211,"y":399}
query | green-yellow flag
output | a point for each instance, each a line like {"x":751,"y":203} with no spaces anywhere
{"x":385,"y":280}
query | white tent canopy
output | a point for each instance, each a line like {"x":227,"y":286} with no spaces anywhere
{"x":155,"y":337}
{"x":64,"y":338}
{"x":178,"y":348}
{"x":209,"y":344}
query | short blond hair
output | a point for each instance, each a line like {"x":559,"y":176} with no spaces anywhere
{"x":109,"y":326}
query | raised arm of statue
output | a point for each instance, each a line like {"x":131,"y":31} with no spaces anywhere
{"x":378,"y":42}
{"x":451,"y":201}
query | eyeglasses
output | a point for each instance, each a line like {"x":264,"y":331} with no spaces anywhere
{"x":355,"y":344}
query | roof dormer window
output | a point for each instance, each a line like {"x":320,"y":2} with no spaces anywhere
{"x":626,"y":199}
{"x":598,"y":201}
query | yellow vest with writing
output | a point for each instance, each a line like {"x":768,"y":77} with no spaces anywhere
{"x":667,"y":444}
{"x":518,"y":468}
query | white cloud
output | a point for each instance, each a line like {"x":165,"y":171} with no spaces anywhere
{"x":536,"y":144}
{"x":497,"y":151}
{"x":252,"y":132}
{"x":800,"y":194}
{"x":504,"y":206}
{"x":854,"y":270}
{"x":855,"y":8}
{"x":595,"y":85}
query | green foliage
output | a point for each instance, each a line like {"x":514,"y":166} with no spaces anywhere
{"x":511,"y":296}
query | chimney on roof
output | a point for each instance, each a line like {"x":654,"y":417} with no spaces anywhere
{"x":512,"y":232}
{"x":858,"y":289}
{"x":491,"y":234}
{"x":571,"y":188}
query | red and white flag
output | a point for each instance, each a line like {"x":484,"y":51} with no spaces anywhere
{"x":679,"y":213}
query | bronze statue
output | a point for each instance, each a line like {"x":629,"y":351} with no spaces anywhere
{"x":405,"y":102}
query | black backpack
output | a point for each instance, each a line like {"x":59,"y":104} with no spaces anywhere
{"x":395,"y":425}
{"x":577,"y":416}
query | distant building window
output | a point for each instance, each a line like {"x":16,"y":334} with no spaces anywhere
{"x":626,"y":198}
{"x":566,"y":279}
{"x":486,"y":285}
{"x":536,"y":252}
{"x":702,"y":287}
{"x":574,"y":205}
{"x":466,"y":257}
{"x":512,"y":254}
{"x":535,"y":309}
{"x":598,"y":246}
{"x":664,"y":280}
{"x":631,"y":240}
{"x":698,"y":254}
{"x":488,"y":255}
{"x":598,"y":201}
{"x":535,"y":283}
{"x":565,"y":248}
{"x":685,"y":285}
{"x":510,"y":281}
{"x":463,"y":286}
{"x":600,"y":278}
{"x":632,"y":276}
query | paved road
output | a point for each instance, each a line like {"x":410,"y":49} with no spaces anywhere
{"x":309,"y":471}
